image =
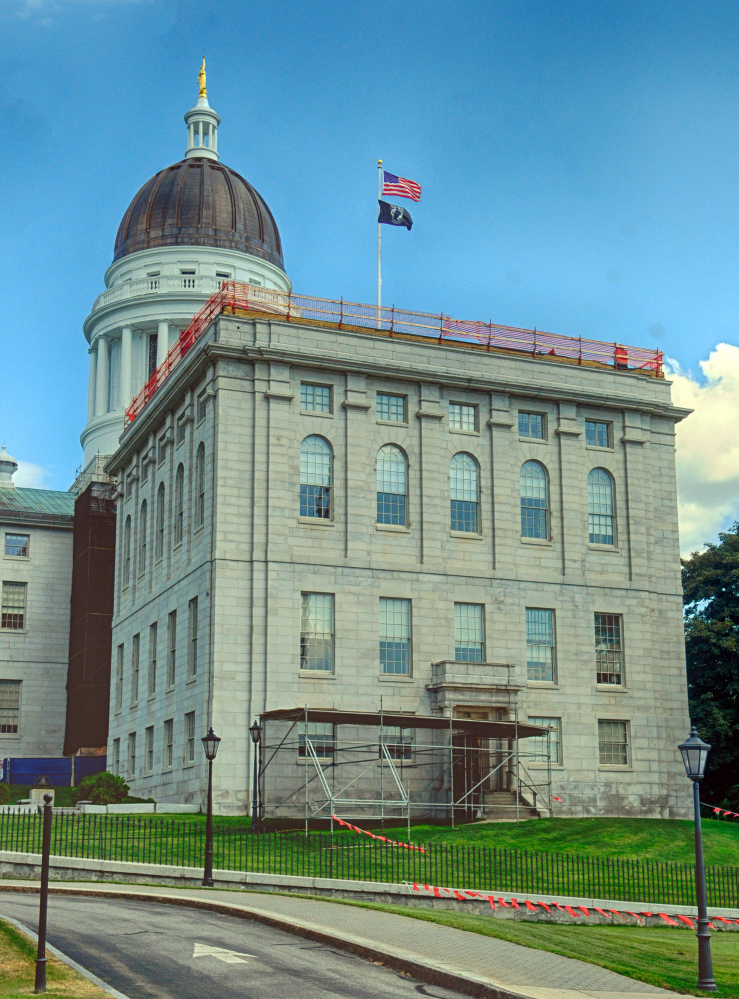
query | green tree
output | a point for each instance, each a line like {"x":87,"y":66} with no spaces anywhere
{"x":711,"y":597}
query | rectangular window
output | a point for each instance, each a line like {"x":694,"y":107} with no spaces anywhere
{"x":13,"y":613}
{"x":391,"y":408}
{"x":116,"y":761}
{"x":598,"y":434}
{"x":531,"y":425}
{"x":135,"y":654}
{"x":395,"y":636}
{"x":540,"y":644}
{"x":16,"y":545}
{"x":536,"y":745}
{"x":119,"y":679}
{"x":190,"y":737}
{"x":153,"y":636}
{"x":462,"y":416}
{"x":192,"y":645}
{"x":608,"y":649}
{"x":132,"y":754}
{"x":613,"y":743}
{"x":315,"y":398}
{"x":168,"y":743}
{"x":181,"y":428}
{"x":129,"y":485}
{"x":152,"y":359}
{"x":321,"y":737}
{"x":469,"y":640}
{"x":398,"y":741}
{"x":202,"y":405}
{"x":144,"y":472}
{"x":149,"y":749}
{"x":317,"y":631}
{"x":171,"y":647}
{"x":10,"y":707}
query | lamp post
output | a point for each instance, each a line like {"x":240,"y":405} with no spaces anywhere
{"x":210,"y":745}
{"x":40,"y":983}
{"x":695,"y":753}
{"x":256,"y":736}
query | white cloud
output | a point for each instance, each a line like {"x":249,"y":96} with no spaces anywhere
{"x":707,"y":446}
{"x":29,"y":475}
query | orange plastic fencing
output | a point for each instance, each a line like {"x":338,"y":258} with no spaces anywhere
{"x":289,"y":307}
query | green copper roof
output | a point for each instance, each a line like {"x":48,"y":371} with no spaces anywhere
{"x":46,"y":502}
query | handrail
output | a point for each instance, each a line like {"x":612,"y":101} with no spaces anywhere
{"x":236,"y":297}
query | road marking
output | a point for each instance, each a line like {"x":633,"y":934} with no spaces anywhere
{"x":220,"y":954}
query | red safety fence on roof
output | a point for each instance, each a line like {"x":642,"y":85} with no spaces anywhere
{"x":290,"y":307}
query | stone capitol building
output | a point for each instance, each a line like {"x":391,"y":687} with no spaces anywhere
{"x":449,"y":551}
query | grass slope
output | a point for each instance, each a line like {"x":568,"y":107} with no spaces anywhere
{"x":667,"y":958}
{"x":633,"y":839}
{"x":18,"y":970}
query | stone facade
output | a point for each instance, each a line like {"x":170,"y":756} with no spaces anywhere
{"x":34,"y":651}
{"x":243,"y":550}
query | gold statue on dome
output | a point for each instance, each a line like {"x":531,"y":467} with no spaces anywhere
{"x":201,"y":80}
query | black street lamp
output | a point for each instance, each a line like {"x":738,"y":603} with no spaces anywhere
{"x":210,"y":745}
{"x":256,"y":736}
{"x":695,"y":753}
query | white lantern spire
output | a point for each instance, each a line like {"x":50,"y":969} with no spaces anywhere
{"x":202,"y":125}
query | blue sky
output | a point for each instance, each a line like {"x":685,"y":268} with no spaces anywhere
{"x":579,"y":163}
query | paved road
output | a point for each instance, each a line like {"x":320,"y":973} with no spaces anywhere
{"x":151,"y":950}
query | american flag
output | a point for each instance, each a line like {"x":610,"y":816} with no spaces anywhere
{"x":401,"y":187}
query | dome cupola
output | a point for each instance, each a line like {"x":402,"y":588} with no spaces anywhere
{"x":8,"y":468}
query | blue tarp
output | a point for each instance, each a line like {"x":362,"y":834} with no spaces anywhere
{"x":18,"y":770}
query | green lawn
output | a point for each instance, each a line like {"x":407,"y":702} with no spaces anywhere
{"x":667,"y":958}
{"x":18,"y":969}
{"x":633,"y":839}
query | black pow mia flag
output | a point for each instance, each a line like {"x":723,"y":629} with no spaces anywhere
{"x":394,"y":215}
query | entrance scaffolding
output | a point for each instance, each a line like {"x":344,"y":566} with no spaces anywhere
{"x":396,"y":767}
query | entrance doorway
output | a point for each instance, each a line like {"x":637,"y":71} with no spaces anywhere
{"x":473,"y":758}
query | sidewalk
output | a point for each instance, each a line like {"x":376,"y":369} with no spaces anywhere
{"x":474,"y":964}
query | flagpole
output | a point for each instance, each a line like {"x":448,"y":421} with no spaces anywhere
{"x":379,"y":244}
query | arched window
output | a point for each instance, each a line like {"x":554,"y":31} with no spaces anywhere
{"x":200,"y":487}
{"x":159,"y":547}
{"x":534,"y":501}
{"x":315,"y":478}
{"x":179,"y":504}
{"x":127,"y":552}
{"x":143,"y":529}
{"x":464,"y":492}
{"x":600,"y":507}
{"x":392,"y":485}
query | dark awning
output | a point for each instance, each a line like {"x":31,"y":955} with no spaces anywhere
{"x":489,"y":729}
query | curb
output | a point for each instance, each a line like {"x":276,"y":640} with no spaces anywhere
{"x":67,"y":960}
{"x":427,"y":972}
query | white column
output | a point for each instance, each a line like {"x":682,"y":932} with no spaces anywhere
{"x":126,"y":359}
{"x":91,"y":384}
{"x":162,"y":342}
{"x":101,"y":381}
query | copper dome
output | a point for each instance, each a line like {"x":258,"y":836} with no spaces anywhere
{"x":199,"y":202}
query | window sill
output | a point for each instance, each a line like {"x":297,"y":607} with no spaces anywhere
{"x":466,"y":535}
{"x":393,"y":528}
{"x":543,"y":684}
{"x":533,"y":440}
{"x":316,"y":522}
{"x":13,"y":631}
{"x":605,"y":549}
{"x":316,"y":674}
{"x":541,"y":542}
{"x":141,"y":574}
{"x":17,"y":558}
{"x":151,"y":697}
{"x":395,"y":678}
{"x":176,"y":545}
{"x":393,"y":423}
{"x":315,"y":412}
{"x":612,"y":688}
{"x":198,"y":529}
{"x":170,"y":690}
{"x":190,"y":681}
{"x":133,"y":704}
{"x":596,"y":447}
{"x":188,"y":766}
{"x":465,"y":433}
{"x":615,"y":767}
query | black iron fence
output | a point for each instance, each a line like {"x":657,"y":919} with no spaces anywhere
{"x":181,"y":843}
